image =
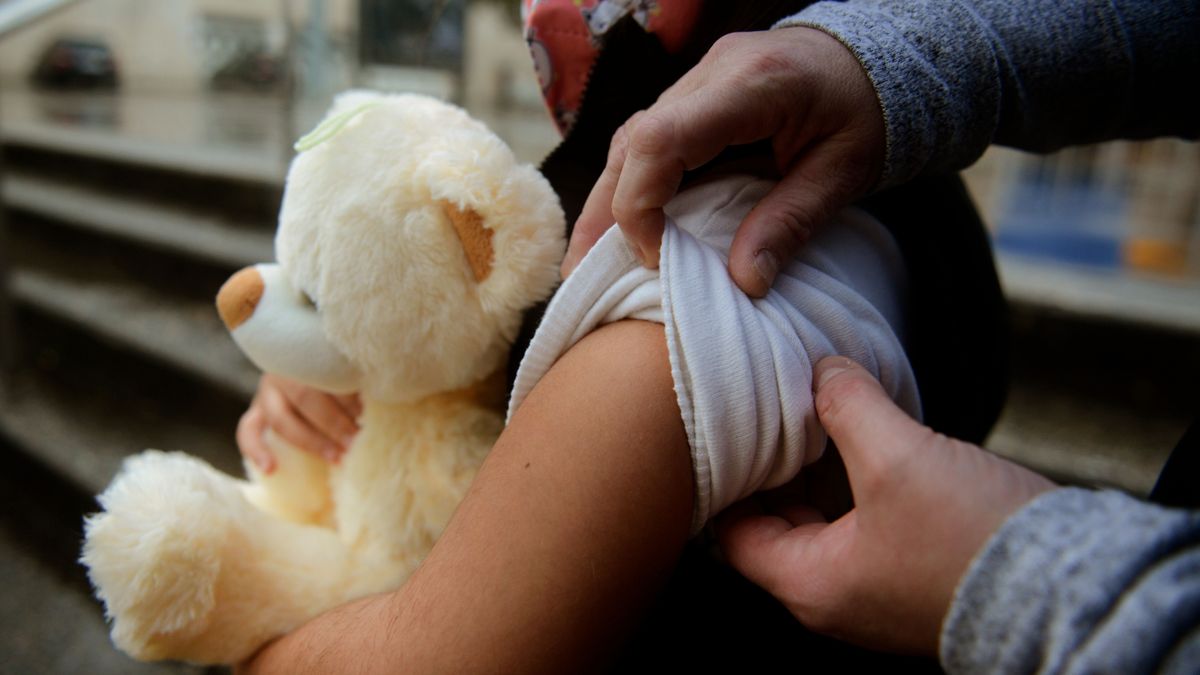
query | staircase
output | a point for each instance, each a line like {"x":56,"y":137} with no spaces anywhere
{"x":113,"y":246}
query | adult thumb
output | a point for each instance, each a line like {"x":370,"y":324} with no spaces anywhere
{"x":767,"y":548}
{"x":870,"y":430}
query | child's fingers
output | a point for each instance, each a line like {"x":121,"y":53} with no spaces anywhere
{"x":251,"y":429}
{"x":326,"y":415}
{"x":352,"y":404}
{"x":293,"y":428}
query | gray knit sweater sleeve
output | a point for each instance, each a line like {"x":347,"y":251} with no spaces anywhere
{"x":1081,"y":582}
{"x":954,"y":76}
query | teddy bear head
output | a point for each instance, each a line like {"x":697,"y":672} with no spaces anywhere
{"x":410,"y":242}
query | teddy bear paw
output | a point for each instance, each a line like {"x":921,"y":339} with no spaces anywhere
{"x":154,"y":553}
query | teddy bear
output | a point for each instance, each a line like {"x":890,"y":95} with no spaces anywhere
{"x":410,"y":242}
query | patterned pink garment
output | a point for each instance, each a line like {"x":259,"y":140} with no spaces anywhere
{"x":566,"y":36}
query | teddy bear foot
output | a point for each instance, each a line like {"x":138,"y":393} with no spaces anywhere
{"x":154,"y":554}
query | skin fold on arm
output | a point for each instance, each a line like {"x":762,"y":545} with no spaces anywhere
{"x":573,"y":523}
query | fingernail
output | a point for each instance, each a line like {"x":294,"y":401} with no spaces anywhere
{"x":331,"y":454}
{"x":832,"y":367}
{"x":766,"y":263}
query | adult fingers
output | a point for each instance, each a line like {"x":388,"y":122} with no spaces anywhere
{"x":293,"y":428}
{"x":250,"y":439}
{"x":671,"y":139}
{"x":597,"y":214}
{"x":820,"y":182}
{"x":871,"y":432}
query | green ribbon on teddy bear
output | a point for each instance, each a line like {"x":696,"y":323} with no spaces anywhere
{"x":329,"y":127}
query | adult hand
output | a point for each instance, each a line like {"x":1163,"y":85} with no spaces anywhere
{"x":307,"y":418}
{"x":798,"y":87}
{"x":883,"y":575}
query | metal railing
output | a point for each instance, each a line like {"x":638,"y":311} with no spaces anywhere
{"x":14,"y":15}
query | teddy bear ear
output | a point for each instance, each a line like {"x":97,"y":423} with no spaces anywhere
{"x":476,"y":239}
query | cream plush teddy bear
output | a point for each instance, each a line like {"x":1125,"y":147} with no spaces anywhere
{"x":410,"y":241}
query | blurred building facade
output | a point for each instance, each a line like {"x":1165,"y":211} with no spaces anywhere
{"x":471,"y":52}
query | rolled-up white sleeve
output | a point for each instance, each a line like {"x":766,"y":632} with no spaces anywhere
{"x":742,"y":367}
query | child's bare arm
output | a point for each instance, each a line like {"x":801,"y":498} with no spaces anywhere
{"x":574,"y":521}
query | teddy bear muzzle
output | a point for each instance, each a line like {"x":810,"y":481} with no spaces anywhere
{"x":239,"y":296}
{"x":279,"y":328}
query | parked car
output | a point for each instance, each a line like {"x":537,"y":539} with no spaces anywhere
{"x":249,"y":71}
{"x":75,"y":63}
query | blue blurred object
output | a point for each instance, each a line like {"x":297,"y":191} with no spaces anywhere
{"x":1074,"y":219}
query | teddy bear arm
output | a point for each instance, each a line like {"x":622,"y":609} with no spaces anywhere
{"x":297,"y":490}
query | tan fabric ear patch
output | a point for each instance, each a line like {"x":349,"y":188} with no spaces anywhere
{"x":476,"y":239}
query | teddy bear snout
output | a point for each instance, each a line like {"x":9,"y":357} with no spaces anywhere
{"x":239,"y":296}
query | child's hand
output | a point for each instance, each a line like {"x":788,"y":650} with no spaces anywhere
{"x":309,"y":419}
{"x":798,"y":87}
{"x":882,"y":575}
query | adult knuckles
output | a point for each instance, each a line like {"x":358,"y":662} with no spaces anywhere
{"x":857,"y":163}
{"x":634,"y":222}
{"x":652,"y":135}
{"x":790,"y":225}
{"x":749,"y":52}
{"x":725,"y":45}
{"x":620,"y":140}
{"x":771,"y":63}
{"x":616,"y":151}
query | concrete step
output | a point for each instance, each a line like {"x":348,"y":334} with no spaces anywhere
{"x":73,"y":410}
{"x":49,"y":622}
{"x":1109,"y":295}
{"x":182,"y":333}
{"x":1096,"y":401}
{"x":1081,"y":442}
{"x":238,"y":137}
{"x":204,"y":236}
{"x":83,"y":434}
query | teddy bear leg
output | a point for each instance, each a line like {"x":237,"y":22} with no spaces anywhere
{"x":188,"y":569}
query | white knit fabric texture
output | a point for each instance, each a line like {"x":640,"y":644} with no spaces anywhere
{"x":742,"y":367}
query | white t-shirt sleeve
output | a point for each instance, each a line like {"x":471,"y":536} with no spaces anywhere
{"x":742,"y":367}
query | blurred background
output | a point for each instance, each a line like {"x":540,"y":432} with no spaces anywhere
{"x":143,"y":145}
